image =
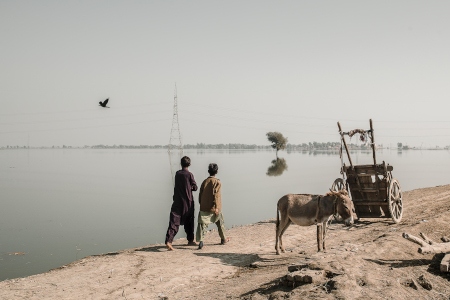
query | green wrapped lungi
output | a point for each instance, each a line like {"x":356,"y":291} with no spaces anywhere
{"x":204,"y":219}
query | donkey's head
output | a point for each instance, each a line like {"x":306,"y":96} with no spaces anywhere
{"x":344,"y":206}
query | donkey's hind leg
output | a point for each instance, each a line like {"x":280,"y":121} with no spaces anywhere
{"x":280,"y":228}
{"x":283,"y":229}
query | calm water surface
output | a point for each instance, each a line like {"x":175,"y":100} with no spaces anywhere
{"x":60,"y":205}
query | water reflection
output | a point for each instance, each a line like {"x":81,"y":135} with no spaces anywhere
{"x":174,"y":161}
{"x":318,"y":152}
{"x":277,"y":168}
{"x":226,"y":151}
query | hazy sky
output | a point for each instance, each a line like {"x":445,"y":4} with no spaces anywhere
{"x":242,"y":68}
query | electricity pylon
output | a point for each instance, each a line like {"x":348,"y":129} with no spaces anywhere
{"x":175,"y":134}
{"x":175,"y":147}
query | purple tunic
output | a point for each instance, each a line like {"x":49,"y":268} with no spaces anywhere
{"x":182,"y":211}
{"x":183,"y":200}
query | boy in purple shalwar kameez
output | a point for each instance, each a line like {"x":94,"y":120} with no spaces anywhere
{"x":182,"y":211}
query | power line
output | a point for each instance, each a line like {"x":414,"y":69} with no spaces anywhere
{"x":74,"y":111}
{"x":217,"y":113}
{"x":82,"y":119}
{"x":82,"y":127}
{"x":298,"y":116}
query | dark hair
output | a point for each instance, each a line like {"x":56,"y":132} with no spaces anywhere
{"x":185,"y":162}
{"x":212,"y":169}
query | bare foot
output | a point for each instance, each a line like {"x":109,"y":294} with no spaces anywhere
{"x":224,"y":241}
{"x":192,"y":243}
{"x":169,"y":247}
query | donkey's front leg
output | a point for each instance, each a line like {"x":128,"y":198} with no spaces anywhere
{"x":324,"y":233}
{"x":320,"y":241}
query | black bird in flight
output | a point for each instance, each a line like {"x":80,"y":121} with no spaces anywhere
{"x":103,"y":104}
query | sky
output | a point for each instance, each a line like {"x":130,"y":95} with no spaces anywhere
{"x":240,"y":68}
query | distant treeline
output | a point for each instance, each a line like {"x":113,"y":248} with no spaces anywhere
{"x":311,"y":146}
{"x":289,"y":147}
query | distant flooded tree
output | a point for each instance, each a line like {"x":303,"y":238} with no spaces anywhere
{"x":277,"y":168}
{"x":278,"y":140}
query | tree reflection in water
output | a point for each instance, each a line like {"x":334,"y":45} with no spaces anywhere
{"x":277,"y":168}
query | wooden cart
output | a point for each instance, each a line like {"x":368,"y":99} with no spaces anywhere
{"x":375,"y":193}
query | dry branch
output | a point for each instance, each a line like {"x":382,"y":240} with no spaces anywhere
{"x":428,"y":246}
{"x":414,"y":239}
{"x":426,"y":239}
{"x":436,"y":248}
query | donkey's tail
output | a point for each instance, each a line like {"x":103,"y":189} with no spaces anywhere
{"x":278,"y":219}
{"x":276,"y":230}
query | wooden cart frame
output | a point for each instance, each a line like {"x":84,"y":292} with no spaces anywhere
{"x":375,"y":193}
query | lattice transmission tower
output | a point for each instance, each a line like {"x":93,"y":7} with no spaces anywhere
{"x":175,"y":142}
{"x":175,"y":148}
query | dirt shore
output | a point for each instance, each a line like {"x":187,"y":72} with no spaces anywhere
{"x":369,"y":260}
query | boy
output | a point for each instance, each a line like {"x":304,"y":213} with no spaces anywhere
{"x":210,"y":200}
{"x":182,"y":211}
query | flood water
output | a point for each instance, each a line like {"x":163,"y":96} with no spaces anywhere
{"x":59,"y":205}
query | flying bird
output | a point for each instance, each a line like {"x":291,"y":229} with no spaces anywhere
{"x":103,"y":104}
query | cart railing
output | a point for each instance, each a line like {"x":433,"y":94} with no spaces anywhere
{"x":350,"y":133}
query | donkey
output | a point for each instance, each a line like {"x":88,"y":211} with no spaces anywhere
{"x":306,"y":210}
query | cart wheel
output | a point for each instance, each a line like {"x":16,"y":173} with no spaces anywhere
{"x":395,"y":201}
